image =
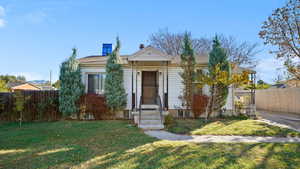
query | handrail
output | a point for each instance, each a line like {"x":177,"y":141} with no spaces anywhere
{"x":140,"y":109}
{"x":158,"y":99}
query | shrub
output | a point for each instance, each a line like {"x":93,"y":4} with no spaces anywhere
{"x":199,"y":105}
{"x":47,"y":109}
{"x":96,"y":105}
{"x":169,"y":120}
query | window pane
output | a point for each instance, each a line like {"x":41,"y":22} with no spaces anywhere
{"x":102,"y":82}
{"x":93,"y":83}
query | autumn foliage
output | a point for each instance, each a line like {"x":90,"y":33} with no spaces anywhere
{"x":199,"y":104}
{"x":95,"y":105}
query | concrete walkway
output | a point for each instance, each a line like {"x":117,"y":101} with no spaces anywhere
{"x":164,"y":135}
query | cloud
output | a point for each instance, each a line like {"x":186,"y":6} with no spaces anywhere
{"x":269,"y":68}
{"x":2,"y":23}
{"x":2,"y":14}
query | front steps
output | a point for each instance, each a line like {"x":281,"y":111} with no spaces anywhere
{"x":150,"y":119}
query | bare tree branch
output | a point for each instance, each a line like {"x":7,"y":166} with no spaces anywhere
{"x":282,"y":29}
{"x":241,"y":53}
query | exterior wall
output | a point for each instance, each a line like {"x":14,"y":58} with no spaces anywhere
{"x":175,"y":87}
{"x":128,"y":86}
{"x":229,"y":102}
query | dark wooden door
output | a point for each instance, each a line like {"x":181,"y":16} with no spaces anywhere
{"x":149,"y":87}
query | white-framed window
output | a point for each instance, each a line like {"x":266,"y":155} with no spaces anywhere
{"x":95,"y":83}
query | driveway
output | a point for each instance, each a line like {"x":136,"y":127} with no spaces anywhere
{"x":289,"y":119}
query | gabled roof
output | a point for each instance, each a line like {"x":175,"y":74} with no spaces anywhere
{"x":98,"y":59}
{"x":149,"y":54}
{"x":22,"y":86}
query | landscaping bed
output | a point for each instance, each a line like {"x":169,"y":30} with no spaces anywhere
{"x":117,"y":144}
{"x":229,"y":126}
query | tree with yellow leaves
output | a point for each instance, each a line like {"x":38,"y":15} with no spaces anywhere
{"x":216,"y":76}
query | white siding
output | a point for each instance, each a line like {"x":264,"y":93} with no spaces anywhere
{"x":229,"y":102}
{"x":205,"y":89}
{"x":175,"y":87}
{"x":127,"y":85}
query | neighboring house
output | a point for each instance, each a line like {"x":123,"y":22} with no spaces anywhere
{"x":21,"y":86}
{"x":291,"y":83}
{"x":147,"y":73}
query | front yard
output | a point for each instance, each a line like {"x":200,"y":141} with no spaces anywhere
{"x":229,"y":126}
{"x":116,"y":144}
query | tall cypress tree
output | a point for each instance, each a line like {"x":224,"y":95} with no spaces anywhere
{"x":114,"y":82}
{"x":71,"y":87}
{"x":219,"y":92}
{"x":188,"y":64}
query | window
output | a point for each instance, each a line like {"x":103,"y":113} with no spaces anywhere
{"x":95,"y":83}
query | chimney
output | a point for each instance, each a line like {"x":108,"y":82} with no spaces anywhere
{"x":106,"y":49}
{"x":142,"y":46}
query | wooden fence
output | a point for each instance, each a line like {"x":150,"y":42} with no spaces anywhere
{"x":39,"y":105}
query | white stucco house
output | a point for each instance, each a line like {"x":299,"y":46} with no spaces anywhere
{"x":148,"y":73}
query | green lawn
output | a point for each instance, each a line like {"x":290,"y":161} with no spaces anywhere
{"x":229,"y":126}
{"x":116,"y":144}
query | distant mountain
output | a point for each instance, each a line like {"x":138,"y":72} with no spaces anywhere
{"x":39,"y":82}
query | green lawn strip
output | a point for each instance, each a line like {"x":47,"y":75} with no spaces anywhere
{"x":230,"y":126}
{"x":116,"y":144}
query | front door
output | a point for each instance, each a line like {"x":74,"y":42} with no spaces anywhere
{"x":149,"y":87}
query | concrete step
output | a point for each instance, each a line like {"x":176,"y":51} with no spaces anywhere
{"x":150,"y":122}
{"x":149,"y":106}
{"x":150,"y":112}
{"x":150,"y":117}
{"x":151,"y":127}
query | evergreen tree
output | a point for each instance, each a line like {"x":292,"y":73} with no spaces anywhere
{"x":114,"y":84}
{"x":188,"y":75}
{"x":219,"y":91}
{"x":71,"y":87}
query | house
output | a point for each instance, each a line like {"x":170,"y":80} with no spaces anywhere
{"x":17,"y":86}
{"x":151,"y":77}
{"x":292,"y":83}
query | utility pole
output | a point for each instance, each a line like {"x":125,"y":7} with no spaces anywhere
{"x":50,"y":77}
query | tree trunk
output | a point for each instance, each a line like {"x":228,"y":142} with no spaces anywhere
{"x":210,"y":104}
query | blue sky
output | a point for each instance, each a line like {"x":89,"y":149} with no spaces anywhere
{"x":37,"y":35}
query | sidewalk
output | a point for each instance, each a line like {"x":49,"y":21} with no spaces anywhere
{"x":164,"y":135}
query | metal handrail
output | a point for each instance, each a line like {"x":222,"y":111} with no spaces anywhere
{"x":140,"y":109}
{"x":158,"y":99}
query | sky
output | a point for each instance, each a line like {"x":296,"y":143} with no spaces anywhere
{"x":37,"y":35}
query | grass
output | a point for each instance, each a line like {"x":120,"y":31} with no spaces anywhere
{"x":116,"y":144}
{"x":229,"y":126}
